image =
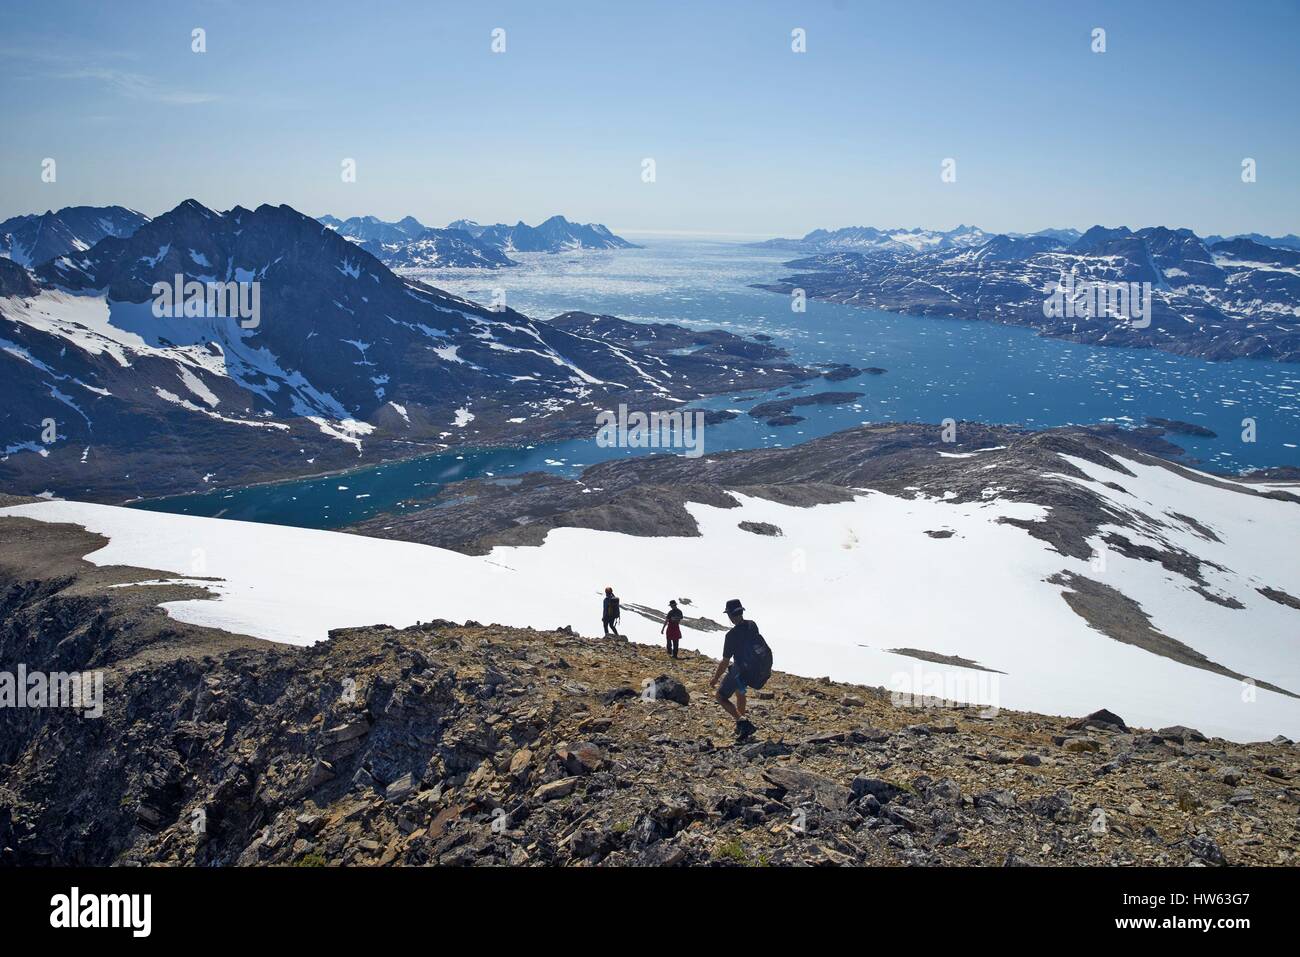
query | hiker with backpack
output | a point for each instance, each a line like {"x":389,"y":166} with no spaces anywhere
{"x":610,"y":613}
{"x":672,"y":626}
{"x":747,"y":661}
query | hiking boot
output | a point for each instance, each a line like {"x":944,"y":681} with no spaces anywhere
{"x":744,"y":729}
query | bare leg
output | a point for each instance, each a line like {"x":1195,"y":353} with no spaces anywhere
{"x":740,"y":705}
{"x":728,"y":707}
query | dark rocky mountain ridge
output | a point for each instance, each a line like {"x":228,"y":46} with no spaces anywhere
{"x":36,"y":238}
{"x":348,"y":363}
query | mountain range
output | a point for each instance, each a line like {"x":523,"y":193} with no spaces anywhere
{"x":35,"y":238}
{"x":869,"y":238}
{"x":916,"y":240}
{"x":554,"y":235}
{"x":346,"y":362}
{"x":408,"y":243}
{"x":1219,"y":299}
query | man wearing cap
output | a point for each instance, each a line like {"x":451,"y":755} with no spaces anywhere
{"x":741,"y":633}
{"x":610,"y":613}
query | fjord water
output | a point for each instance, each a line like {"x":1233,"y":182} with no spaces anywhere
{"x":937,"y":369}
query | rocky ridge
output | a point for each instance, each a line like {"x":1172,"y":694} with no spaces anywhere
{"x":457,"y":744}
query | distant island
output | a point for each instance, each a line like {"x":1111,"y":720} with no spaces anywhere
{"x":1211,"y":298}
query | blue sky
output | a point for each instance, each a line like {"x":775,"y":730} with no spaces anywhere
{"x":747,"y":136}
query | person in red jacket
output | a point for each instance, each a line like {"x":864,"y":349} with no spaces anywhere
{"x":672,"y":626}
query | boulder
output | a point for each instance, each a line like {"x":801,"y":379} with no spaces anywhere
{"x":1230,"y":776}
{"x":618,"y":694}
{"x":347,"y":731}
{"x":945,"y":789}
{"x":1203,"y":848}
{"x":585,"y":842}
{"x":903,"y":817}
{"x":670,"y":689}
{"x":805,"y":784}
{"x":999,"y":798}
{"x":556,"y":789}
{"x":882,"y":791}
{"x":400,"y":789}
{"x":1103,"y":720}
{"x":581,"y":758}
{"x":1181,"y":734}
{"x":661,"y":854}
{"x":321,"y":772}
{"x":765,"y":749}
{"x":519,"y":762}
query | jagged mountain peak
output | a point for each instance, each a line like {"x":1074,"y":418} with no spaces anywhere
{"x":325,"y":355}
{"x":408,"y":243}
{"x":36,"y":238}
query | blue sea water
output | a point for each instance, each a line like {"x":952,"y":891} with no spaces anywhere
{"x":937,"y":369}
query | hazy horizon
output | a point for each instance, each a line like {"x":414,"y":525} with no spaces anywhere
{"x":684,"y":233}
{"x":748,"y":137}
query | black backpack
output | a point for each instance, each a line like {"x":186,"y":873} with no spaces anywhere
{"x":754,"y":659}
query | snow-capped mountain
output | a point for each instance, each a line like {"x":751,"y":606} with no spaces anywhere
{"x":35,"y":238}
{"x":871,"y":239}
{"x":104,"y":397}
{"x":409,"y":243}
{"x":1066,"y":236}
{"x":555,"y":235}
{"x":1219,"y":301}
{"x":868,"y":239}
{"x":1049,"y":574}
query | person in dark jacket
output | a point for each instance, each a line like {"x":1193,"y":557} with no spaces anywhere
{"x":672,"y":626}
{"x":736,"y":642}
{"x":610,"y":612}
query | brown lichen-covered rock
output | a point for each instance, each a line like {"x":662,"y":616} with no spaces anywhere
{"x":453,"y":745}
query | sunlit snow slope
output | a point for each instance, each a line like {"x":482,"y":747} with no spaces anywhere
{"x":844,"y":584}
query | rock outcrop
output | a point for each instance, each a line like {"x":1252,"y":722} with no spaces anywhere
{"x":449,"y":744}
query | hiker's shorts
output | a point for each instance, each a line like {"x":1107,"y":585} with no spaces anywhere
{"x":731,"y":684}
